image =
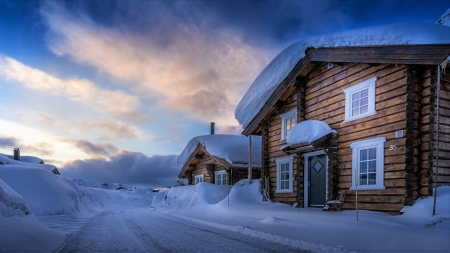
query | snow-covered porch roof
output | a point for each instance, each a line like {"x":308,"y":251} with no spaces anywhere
{"x":306,"y":133}
{"x":397,"y":44}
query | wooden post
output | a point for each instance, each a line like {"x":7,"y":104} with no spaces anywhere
{"x":250,"y":159}
{"x":356,"y":184}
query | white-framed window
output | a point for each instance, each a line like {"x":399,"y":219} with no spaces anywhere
{"x":285,"y":173}
{"x":360,"y":100}
{"x":199,"y":178}
{"x":368,"y":164}
{"x":288,"y":121}
{"x":221,"y":177}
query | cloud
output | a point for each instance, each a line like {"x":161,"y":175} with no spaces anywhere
{"x":34,"y":148}
{"x":79,"y":90}
{"x":184,"y":62}
{"x":236,"y":130}
{"x":111,"y":128}
{"x":95,"y":149}
{"x":125,"y":167}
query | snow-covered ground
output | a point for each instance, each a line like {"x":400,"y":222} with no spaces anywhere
{"x":43,"y":212}
{"x":313,"y":229}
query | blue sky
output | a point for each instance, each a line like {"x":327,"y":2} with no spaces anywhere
{"x":89,"y":81}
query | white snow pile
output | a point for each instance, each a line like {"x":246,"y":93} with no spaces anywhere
{"x":308,"y":131}
{"x":11,"y":203}
{"x":188,"y":196}
{"x":100,"y":185}
{"x":28,"y":162}
{"x":445,"y":19}
{"x":232,"y":148}
{"x":19,"y":228}
{"x":279,"y":68}
{"x":422,"y":210}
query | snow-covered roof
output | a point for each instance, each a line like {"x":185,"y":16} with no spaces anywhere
{"x":28,"y":159}
{"x":445,"y":19}
{"x":280,"y":67}
{"x":308,"y":131}
{"x":231,"y":148}
{"x":9,"y":161}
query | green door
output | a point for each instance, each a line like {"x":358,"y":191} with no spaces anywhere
{"x":317,"y":179}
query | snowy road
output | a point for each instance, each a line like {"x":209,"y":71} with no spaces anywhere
{"x":143,"y":230}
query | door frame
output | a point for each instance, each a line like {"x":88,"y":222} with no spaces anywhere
{"x":306,"y":176}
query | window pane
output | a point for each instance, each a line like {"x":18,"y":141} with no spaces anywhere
{"x":363,"y":179}
{"x":355,"y":112}
{"x":364,"y":101}
{"x":364,"y":93}
{"x":372,"y":153}
{"x":363,"y":155}
{"x":355,"y":104}
{"x":355,"y":96}
{"x":372,"y":178}
{"x":363,"y":167}
{"x":364,"y":109}
{"x":372,"y":166}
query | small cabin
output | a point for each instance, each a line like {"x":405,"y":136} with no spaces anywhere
{"x":355,"y":111}
{"x":219,"y":159}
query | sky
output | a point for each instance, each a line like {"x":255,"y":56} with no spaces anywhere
{"x":87,"y":84}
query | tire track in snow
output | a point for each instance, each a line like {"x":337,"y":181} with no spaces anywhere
{"x":142,"y":234}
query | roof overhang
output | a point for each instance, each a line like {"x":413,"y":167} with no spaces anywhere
{"x":390,"y":54}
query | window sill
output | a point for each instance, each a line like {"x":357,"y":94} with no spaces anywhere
{"x":284,"y":191}
{"x":360,"y":116}
{"x":363,"y":188}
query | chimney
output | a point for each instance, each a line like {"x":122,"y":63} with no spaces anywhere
{"x":17,"y":154}
{"x":212,"y":128}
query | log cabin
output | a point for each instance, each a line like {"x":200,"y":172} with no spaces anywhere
{"x":380,"y":95}
{"x":219,"y":159}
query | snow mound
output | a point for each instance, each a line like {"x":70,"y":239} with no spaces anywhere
{"x":279,"y":68}
{"x":232,"y":148}
{"x":422,"y":210}
{"x":183,"y":197}
{"x":445,"y":19}
{"x":49,"y":194}
{"x":308,"y":131}
{"x":11,"y":203}
{"x":245,"y":193}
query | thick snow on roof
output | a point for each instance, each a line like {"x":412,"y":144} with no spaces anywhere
{"x":445,"y":19}
{"x":279,"y":68}
{"x":232,"y":148}
{"x":5,"y":159}
{"x":308,"y":131}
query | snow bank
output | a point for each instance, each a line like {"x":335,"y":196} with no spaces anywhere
{"x":243,"y":193}
{"x":279,"y":68}
{"x":308,"y":131}
{"x":422,"y":210}
{"x":49,"y":194}
{"x":232,"y":148}
{"x":188,"y":196}
{"x":20,"y":231}
{"x":11,"y":203}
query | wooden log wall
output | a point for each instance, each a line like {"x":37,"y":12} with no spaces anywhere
{"x":428,"y":127}
{"x":325,"y":100}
